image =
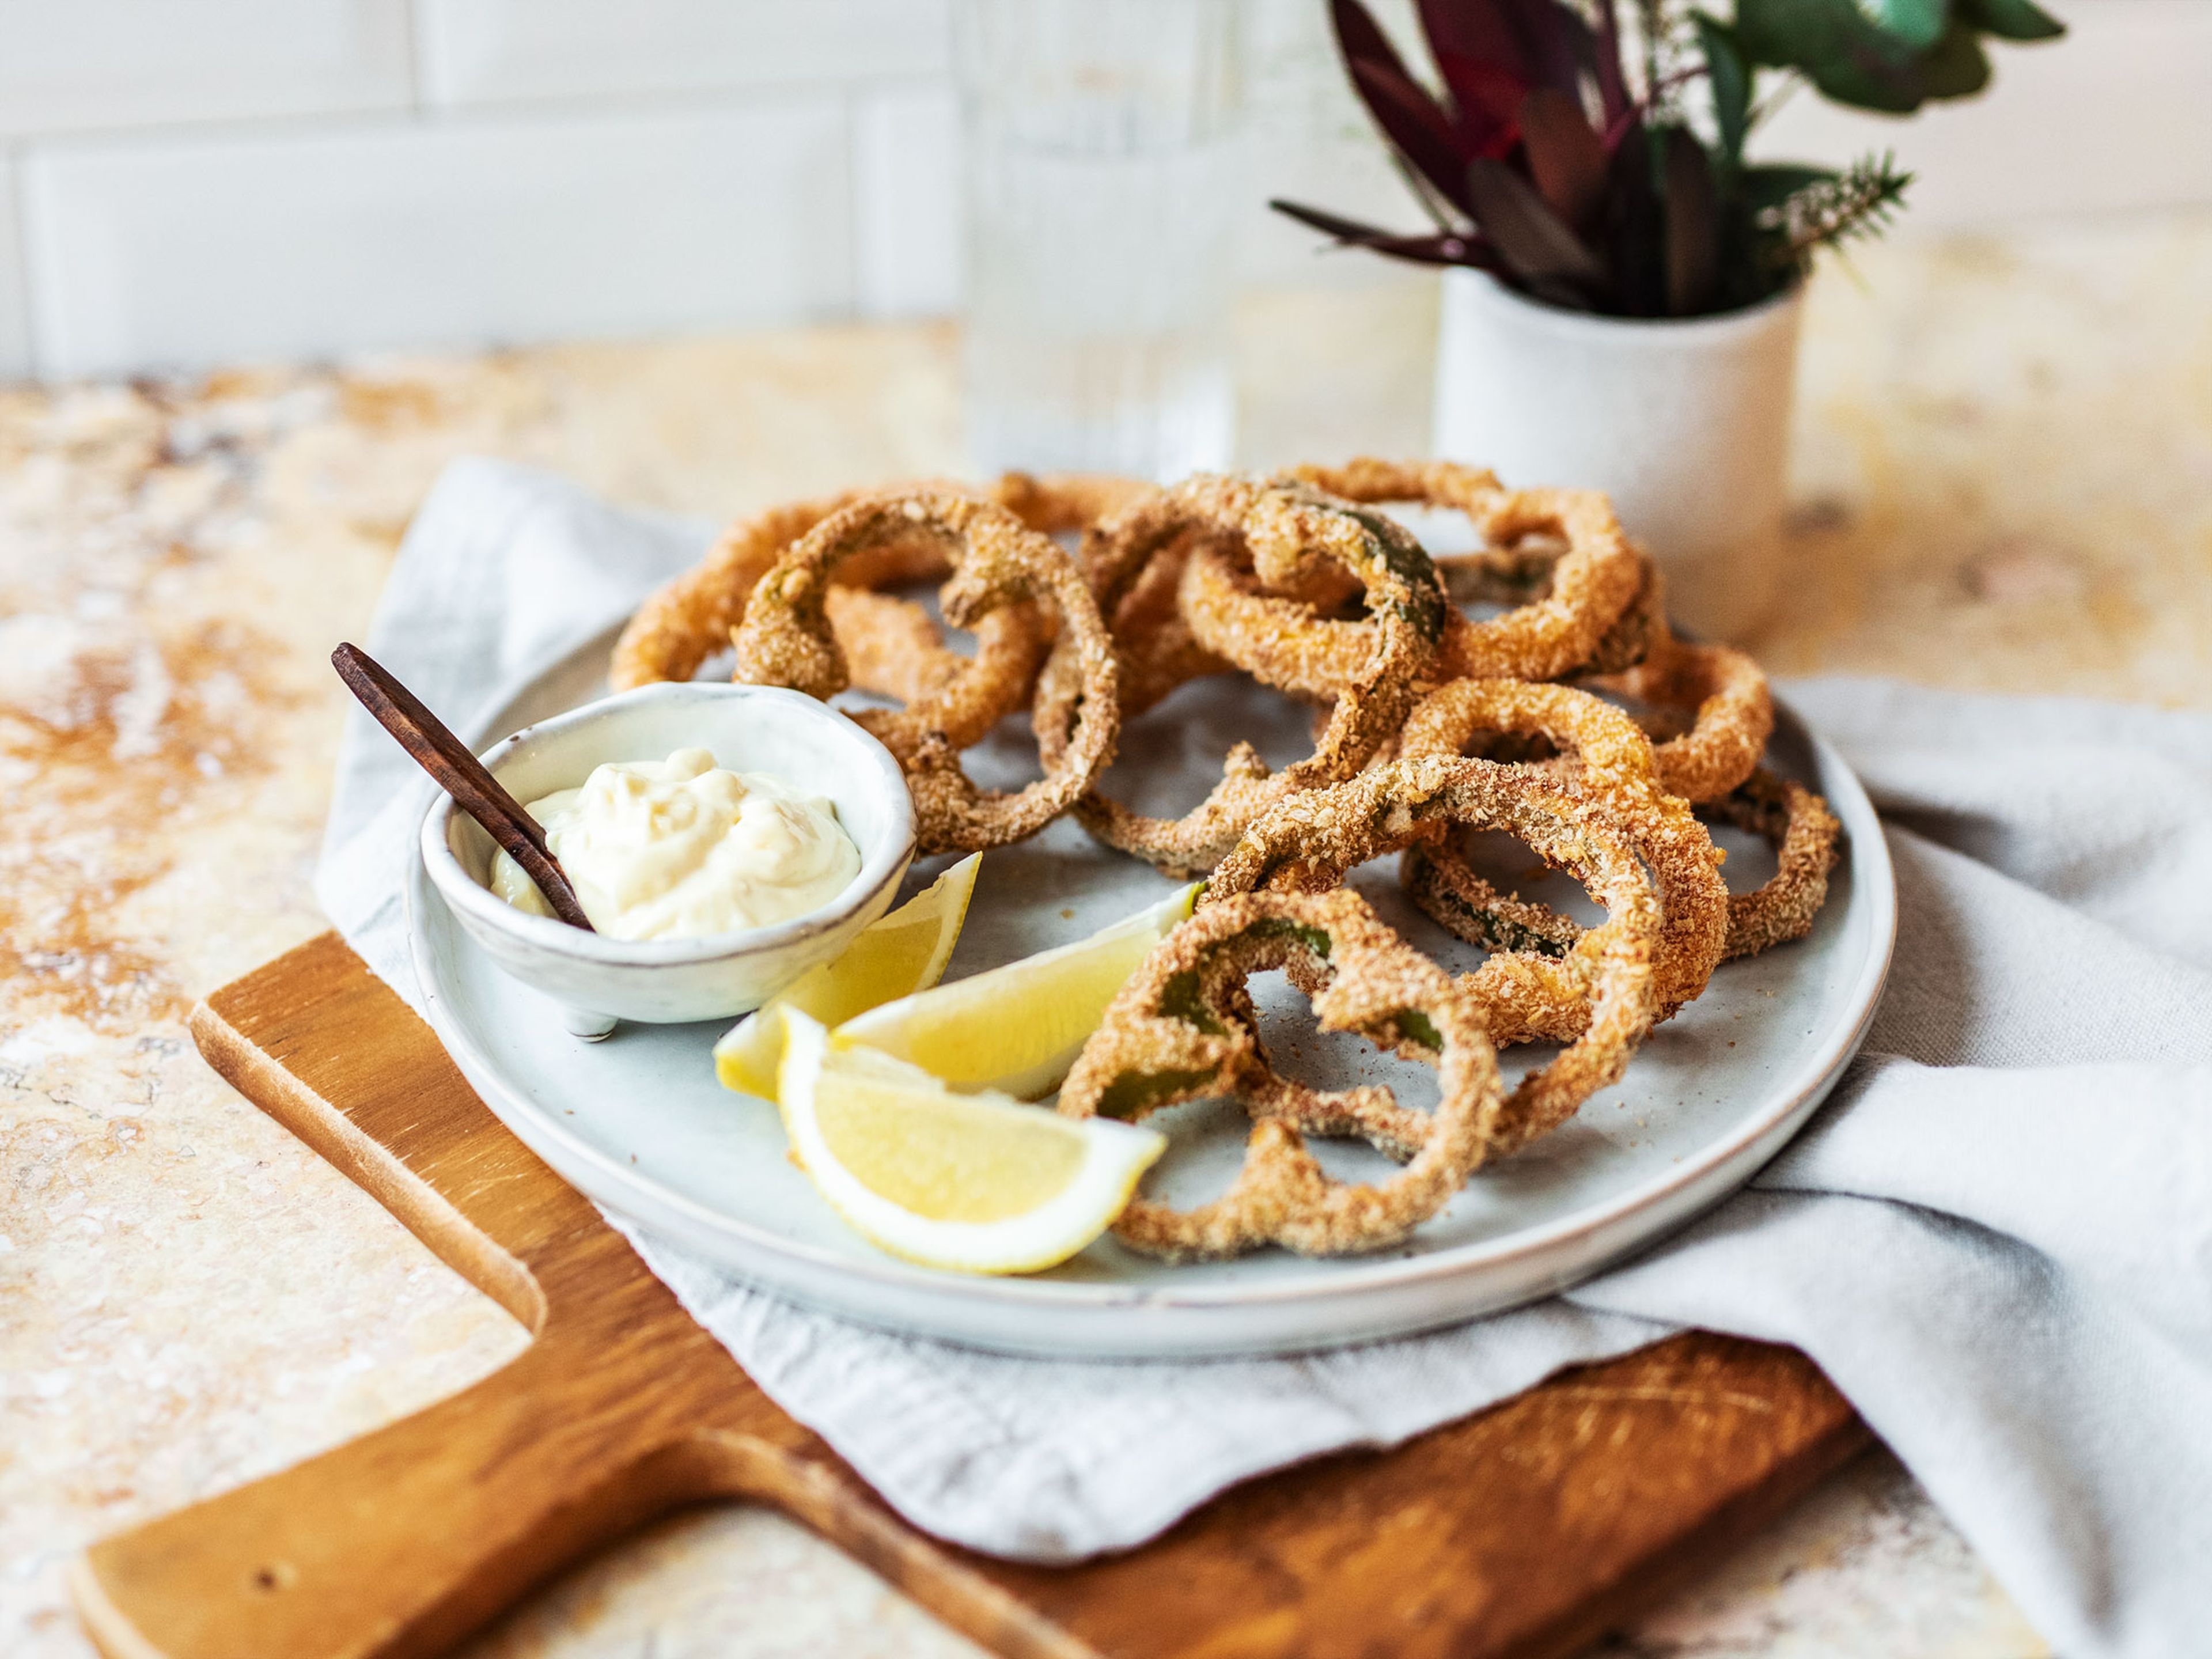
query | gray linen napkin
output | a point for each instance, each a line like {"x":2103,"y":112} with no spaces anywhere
{"x":1996,"y":1238}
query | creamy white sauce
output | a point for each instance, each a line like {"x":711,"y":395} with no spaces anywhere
{"x":680,"y":848}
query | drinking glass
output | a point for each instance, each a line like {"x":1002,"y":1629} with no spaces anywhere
{"x":1103,"y":175}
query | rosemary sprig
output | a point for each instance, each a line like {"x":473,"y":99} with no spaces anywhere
{"x":1859,"y":202}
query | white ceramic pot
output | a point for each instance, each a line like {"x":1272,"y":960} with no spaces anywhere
{"x":749,"y":728}
{"x":1686,"y":424}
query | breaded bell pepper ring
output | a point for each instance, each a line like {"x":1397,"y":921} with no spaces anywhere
{"x":1290,"y":645}
{"x":893,"y":647}
{"x":687,"y":620}
{"x":997,"y":560}
{"x":1156,"y":650}
{"x":1512,"y":577}
{"x":1308,"y":842}
{"x":690,"y":618}
{"x":1062,"y":503}
{"x":1133,"y":557}
{"x":1625,"y":644}
{"x":1724,"y":694}
{"x":1636,"y":630}
{"x":1373,"y":482}
{"x":1135,"y":561}
{"x":1181,"y":1029}
{"x":1408,"y":608}
{"x":1797,"y":824}
{"x":1263,"y":597}
{"x":1618,"y":770}
{"x":1788,"y":817}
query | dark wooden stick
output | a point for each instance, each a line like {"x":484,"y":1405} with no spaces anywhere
{"x":460,"y":774}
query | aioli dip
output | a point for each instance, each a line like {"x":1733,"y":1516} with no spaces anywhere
{"x":680,"y":848}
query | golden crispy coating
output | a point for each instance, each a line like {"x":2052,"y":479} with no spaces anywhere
{"x":1637,"y":627}
{"x":1289,"y":520}
{"x":1307,"y":843}
{"x":997,"y":560}
{"x":892,"y":647}
{"x":1302,"y":580}
{"x":1600,"y":577}
{"x":1061,"y":503}
{"x":681,"y":624}
{"x":1725,"y":695}
{"x":1472,"y":491}
{"x":1617,"y":770}
{"x":1157,"y":652}
{"x":1522,"y":574}
{"x":690,"y":618}
{"x":1588,"y":586}
{"x":1791,"y":818}
{"x":1431,"y":483}
{"x":1797,"y":824}
{"x":1279,"y":639}
{"x":1181,"y":1029}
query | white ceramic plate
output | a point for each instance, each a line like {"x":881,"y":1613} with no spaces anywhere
{"x":640,"y":1125}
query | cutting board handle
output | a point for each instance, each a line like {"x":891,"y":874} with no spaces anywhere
{"x":395,"y":1545}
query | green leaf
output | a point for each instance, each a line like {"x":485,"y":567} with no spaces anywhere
{"x":1852,"y":60}
{"x":2011,"y":19}
{"x":1781,"y":31}
{"x":1834,"y":45}
{"x":1957,"y":67}
{"x":1731,"y":85}
{"x":1919,"y":23}
{"x":1868,"y":86}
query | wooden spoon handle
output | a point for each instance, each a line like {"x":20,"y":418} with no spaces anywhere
{"x":460,"y":774}
{"x":395,"y":1545}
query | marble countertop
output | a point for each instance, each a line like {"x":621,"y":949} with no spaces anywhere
{"x":2003,"y":480}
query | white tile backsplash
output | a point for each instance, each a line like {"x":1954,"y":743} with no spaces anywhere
{"x":68,"y":65}
{"x":199,"y":181}
{"x":496,"y":51}
{"x":906,"y":181}
{"x":15,"y":299}
{"x":164,"y":254}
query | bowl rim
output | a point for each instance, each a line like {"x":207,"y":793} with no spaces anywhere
{"x":478,"y":904}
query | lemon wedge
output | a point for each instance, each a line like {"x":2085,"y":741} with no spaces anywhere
{"x":975,"y":1183}
{"x":900,"y":953}
{"x":1017,"y":1029}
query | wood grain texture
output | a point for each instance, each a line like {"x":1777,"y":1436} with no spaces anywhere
{"x":1522,"y":1531}
{"x":432,"y":746}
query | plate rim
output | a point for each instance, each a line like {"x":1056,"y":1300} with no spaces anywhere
{"x":1795,"y":1097}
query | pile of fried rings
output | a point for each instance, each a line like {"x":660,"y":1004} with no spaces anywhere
{"x":1430,"y":725}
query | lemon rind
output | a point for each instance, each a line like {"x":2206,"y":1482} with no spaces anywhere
{"x":879,"y":1028}
{"x":750,"y":1037}
{"x":1115,"y":1156}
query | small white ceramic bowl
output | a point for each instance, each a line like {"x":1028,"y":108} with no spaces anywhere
{"x":749,"y":728}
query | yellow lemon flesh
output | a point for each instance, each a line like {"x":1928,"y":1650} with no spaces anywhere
{"x":902,"y":953}
{"x":975,"y":1183}
{"x":1017,"y":1029}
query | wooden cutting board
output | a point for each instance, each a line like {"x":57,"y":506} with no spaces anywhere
{"x":1529,"y":1529}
